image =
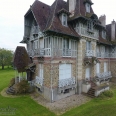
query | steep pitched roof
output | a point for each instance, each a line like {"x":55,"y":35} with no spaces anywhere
{"x":54,"y":23}
{"x":41,"y":13}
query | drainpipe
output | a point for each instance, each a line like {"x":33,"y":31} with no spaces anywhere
{"x":51,"y":83}
{"x":76,"y":67}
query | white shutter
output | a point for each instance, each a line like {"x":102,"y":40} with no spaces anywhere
{"x":87,"y":74}
{"x":41,"y":70}
{"x":105,"y":67}
{"x":98,"y":68}
{"x":64,"y":71}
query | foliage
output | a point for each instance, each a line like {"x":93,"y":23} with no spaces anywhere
{"x":105,"y":94}
{"x":5,"y":57}
{"x":12,"y":82}
{"x":22,"y":87}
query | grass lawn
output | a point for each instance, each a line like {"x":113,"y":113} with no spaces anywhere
{"x":25,"y":106}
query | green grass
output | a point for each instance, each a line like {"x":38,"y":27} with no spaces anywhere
{"x":96,"y":107}
{"x":24,"y":105}
{"x":27,"y":107}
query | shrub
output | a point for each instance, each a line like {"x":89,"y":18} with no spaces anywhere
{"x":12,"y":82}
{"x":22,"y":87}
{"x":108,"y":93}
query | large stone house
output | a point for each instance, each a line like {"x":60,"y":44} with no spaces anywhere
{"x":72,"y":48}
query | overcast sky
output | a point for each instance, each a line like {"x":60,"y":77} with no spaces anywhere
{"x":12,"y":18}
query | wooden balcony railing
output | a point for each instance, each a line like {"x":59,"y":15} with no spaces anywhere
{"x":47,"y":52}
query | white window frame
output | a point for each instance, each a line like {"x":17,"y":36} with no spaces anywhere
{"x":103,"y":34}
{"x":88,"y":45}
{"x":64,"y":19}
{"x":105,"y":67}
{"x":90,"y":25}
{"x":88,"y":7}
{"x":41,"y":70}
{"x":64,"y":73}
{"x":98,"y":68}
{"x":88,"y":73}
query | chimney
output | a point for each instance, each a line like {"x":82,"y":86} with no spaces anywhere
{"x":113,"y":30}
{"x":72,"y":5}
{"x":102,"y":19}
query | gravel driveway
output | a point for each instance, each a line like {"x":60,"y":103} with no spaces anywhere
{"x":63,"y":105}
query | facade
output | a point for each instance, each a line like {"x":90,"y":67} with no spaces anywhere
{"x":71,"y":47}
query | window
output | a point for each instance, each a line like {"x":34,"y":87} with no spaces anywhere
{"x":88,"y":73}
{"x":98,"y":68}
{"x":104,"y":34}
{"x":105,"y":67}
{"x":88,"y":7}
{"x":41,"y":70}
{"x":66,"y":43}
{"x":64,"y":71}
{"x":36,"y":44}
{"x":88,"y":45}
{"x":90,"y":25}
{"x":47,"y":42}
{"x":64,"y":19}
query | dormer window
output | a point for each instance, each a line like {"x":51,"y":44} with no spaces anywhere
{"x":103,"y":34}
{"x":87,"y":5}
{"x":64,"y":19}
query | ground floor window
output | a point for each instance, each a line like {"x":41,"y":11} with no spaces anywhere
{"x":64,"y":71}
{"x":105,"y":67}
{"x":41,"y":70}
{"x":98,"y":68}
{"x":88,"y":73}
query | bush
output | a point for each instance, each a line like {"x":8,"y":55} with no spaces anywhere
{"x":12,"y":82}
{"x":22,"y":87}
{"x":106,"y":94}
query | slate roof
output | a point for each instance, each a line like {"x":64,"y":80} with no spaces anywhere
{"x":47,"y":17}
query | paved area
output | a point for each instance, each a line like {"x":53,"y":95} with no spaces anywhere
{"x":63,"y":105}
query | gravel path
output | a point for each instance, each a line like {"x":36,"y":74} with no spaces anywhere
{"x":63,"y":105}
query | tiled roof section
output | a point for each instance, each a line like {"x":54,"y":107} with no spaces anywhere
{"x":54,"y":23}
{"x":41,"y":13}
{"x":81,"y":10}
{"x":63,"y":11}
{"x":104,"y":41}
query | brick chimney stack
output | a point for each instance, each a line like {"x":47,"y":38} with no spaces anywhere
{"x":102,"y":19}
{"x":113,"y":30}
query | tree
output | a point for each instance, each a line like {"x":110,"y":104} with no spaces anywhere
{"x":5,"y":57}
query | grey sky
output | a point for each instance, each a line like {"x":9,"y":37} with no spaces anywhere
{"x":12,"y":18}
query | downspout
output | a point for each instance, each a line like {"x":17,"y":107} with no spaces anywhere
{"x":77,"y":67}
{"x":51,"y":82}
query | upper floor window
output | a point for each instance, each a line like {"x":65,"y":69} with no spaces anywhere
{"x":103,"y":34}
{"x":64,"y":19}
{"x":88,"y":45}
{"x":90,"y":25}
{"x":87,"y":7}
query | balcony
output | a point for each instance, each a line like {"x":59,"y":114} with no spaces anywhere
{"x":105,"y":76}
{"x":84,"y":32}
{"x":90,"y":53}
{"x":106,"y":55}
{"x":68,"y":83}
{"x":47,"y":52}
